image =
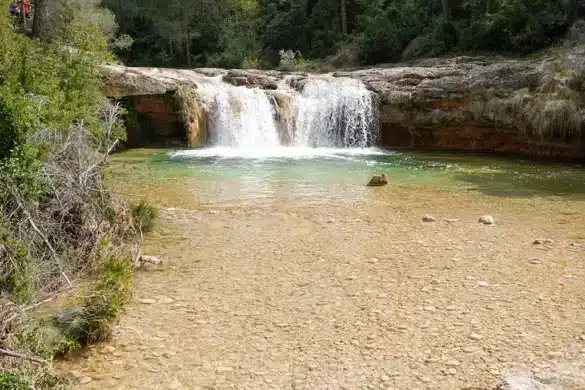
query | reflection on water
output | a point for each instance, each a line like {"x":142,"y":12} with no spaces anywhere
{"x":223,"y":175}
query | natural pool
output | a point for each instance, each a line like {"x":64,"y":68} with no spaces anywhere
{"x":225,"y":175}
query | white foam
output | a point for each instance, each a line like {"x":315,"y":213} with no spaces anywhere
{"x":281,"y":152}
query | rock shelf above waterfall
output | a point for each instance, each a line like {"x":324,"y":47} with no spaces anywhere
{"x":530,"y":106}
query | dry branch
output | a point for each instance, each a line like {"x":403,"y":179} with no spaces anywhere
{"x":6,"y":352}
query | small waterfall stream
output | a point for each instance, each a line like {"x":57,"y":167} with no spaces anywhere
{"x":328,"y":112}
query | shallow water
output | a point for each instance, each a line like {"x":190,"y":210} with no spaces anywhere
{"x":283,"y":270}
{"x":223,"y":175}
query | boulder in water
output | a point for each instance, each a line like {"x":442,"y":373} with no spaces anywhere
{"x":378,"y":180}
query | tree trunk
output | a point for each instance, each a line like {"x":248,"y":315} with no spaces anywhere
{"x":38,"y":17}
{"x":572,"y":11}
{"x":344,"y":16}
{"x":446,"y":9}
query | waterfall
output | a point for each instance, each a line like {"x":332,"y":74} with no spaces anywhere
{"x":326,"y":112}
{"x":240,"y":117}
{"x":335,"y":112}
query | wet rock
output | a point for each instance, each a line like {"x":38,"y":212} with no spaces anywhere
{"x":453,"y":363}
{"x":535,"y":261}
{"x":378,"y":180}
{"x":541,"y":241}
{"x":576,"y":246}
{"x":487,"y":220}
{"x":555,"y":355}
{"x":151,"y":259}
{"x":429,"y":218}
{"x":85,"y":380}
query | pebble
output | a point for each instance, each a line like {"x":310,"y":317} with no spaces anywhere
{"x":475,"y":336}
{"x":166,"y":300}
{"x":540,"y":241}
{"x":429,"y":218}
{"x":582,"y":337}
{"x":535,"y":261}
{"x":451,"y":371}
{"x":385,"y":378}
{"x":109,"y":348}
{"x":483,"y":284}
{"x":147,"y":301}
{"x":85,"y":380}
{"x":428,"y":308}
{"x":555,"y":355}
{"x":487,"y":220}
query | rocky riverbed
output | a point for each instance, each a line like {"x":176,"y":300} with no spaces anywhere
{"x":350,"y":290}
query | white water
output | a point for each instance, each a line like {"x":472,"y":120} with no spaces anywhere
{"x":241,"y":117}
{"x":286,"y":152}
{"x":334,"y":112}
{"x":328,"y":113}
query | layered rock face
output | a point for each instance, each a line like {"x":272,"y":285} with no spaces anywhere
{"x":534,"y":106}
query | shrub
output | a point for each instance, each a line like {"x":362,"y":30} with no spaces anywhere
{"x":92,"y":319}
{"x":144,"y":215}
{"x":10,"y":381}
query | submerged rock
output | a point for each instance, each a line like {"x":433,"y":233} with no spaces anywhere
{"x":487,"y":220}
{"x":540,"y":241}
{"x":378,"y":180}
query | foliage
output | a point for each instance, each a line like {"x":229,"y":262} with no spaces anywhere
{"x":10,"y":381}
{"x":58,"y":222}
{"x":92,"y":319}
{"x":144,"y":215}
{"x":235,"y":31}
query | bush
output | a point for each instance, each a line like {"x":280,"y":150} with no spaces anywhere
{"x":10,"y":381}
{"x":92,"y":319}
{"x":144,"y":215}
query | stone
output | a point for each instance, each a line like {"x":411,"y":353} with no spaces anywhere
{"x":429,"y":218}
{"x":535,"y":261}
{"x":453,"y":363}
{"x":85,"y":380}
{"x":555,"y":355}
{"x":475,"y":336}
{"x":483,"y":284}
{"x":109,"y":349}
{"x":147,"y":301}
{"x":428,"y":308}
{"x":151,"y":259}
{"x":378,"y":180}
{"x":487,"y":220}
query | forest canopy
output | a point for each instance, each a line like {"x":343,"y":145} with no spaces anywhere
{"x":252,"y":33}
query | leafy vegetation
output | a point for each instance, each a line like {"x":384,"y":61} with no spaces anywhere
{"x":253,"y":33}
{"x":59,"y":224}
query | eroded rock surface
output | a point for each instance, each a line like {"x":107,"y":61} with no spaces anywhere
{"x":530,"y":106}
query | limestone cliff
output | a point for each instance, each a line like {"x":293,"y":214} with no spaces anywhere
{"x":533,"y":105}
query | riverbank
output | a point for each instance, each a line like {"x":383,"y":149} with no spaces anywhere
{"x":334,"y":284}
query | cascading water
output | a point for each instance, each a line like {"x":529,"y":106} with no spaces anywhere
{"x":328,"y":112}
{"x":335,"y":112}
{"x":240,"y":117}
